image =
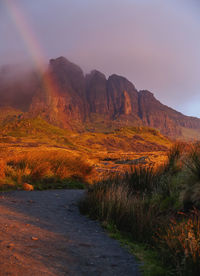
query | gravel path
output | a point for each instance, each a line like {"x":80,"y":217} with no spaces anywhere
{"x":43,"y":233}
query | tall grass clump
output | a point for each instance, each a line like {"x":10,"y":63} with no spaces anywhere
{"x":179,"y":244}
{"x":2,"y":169}
{"x":127,"y":202}
{"x":174,"y":155}
{"x":111,"y":202}
{"x":47,"y":169}
{"x":146,"y":204}
{"x":191,"y":189}
{"x":142,"y":179}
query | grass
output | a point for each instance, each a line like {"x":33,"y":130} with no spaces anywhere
{"x":138,"y":139}
{"x":20,"y":134}
{"x":44,"y":170}
{"x":153,"y":210}
{"x":148,"y":259}
{"x":35,"y":128}
{"x":182,"y":240}
{"x":20,"y":130}
{"x":146,"y":204}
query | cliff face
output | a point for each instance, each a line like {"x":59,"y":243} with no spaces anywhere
{"x":96,"y":92}
{"x":61,"y":98}
{"x":156,"y":115}
{"x":122,"y":96}
{"x":113,"y":97}
{"x":167,"y":120}
{"x":65,"y":97}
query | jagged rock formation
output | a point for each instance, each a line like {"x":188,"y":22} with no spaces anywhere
{"x":61,"y":97}
{"x":122,"y":96}
{"x":65,"y":97}
{"x":96,"y":92}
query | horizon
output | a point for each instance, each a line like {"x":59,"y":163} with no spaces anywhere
{"x":155,"y":44}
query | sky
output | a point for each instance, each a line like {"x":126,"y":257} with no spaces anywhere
{"x":153,"y":43}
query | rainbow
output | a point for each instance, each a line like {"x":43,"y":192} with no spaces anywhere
{"x":23,"y":27}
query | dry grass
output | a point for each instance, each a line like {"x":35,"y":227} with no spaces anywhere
{"x":116,"y":201}
{"x":143,"y":202}
{"x":44,"y":167}
{"x":182,"y":240}
{"x":2,"y":169}
{"x":47,"y":163}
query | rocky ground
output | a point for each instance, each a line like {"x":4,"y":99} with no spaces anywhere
{"x":43,"y":233}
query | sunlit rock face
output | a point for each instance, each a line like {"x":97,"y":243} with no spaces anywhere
{"x":114,"y":97}
{"x":157,"y":115}
{"x":61,"y":99}
{"x":122,"y":96}
{"x":67,"y":98}
{"x":96,"y":91}
{"x":167,"y":120}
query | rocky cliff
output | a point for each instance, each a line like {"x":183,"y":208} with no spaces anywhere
{"x":61,"y":97}
{"x":65,"y":97}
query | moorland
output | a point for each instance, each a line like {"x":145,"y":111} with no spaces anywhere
{"x":138,"y":159}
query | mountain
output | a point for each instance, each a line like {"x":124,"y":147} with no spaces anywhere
{"x":65,"y":97}
{"x":61,"y":98}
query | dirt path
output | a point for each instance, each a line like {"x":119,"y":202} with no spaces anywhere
{"x":43,"y":233}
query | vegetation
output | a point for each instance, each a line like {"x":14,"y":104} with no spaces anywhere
{"x":149,"y":208}
{"x":149,"y":258}
{"x":155,"y":206}
{"x":44,"y":170}
{"x":153,"y":209}
{"x":25,"y":137}
{"x":14,"y":127}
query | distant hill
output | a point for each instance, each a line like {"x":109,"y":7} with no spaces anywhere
{"x":66,"y":98}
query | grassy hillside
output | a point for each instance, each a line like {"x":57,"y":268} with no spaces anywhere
{"x":18,"y":125}
{"x":9,"y":114}
{"x":138,"y":139}
{"x":21,"y":135}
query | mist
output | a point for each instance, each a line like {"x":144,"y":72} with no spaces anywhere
{"x":154,"y":43}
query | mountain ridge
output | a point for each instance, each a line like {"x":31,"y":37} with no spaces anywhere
{"x":84,"y":101}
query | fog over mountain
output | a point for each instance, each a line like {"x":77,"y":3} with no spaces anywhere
{"x":154,"y":43}
{"x":65,"y":97}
